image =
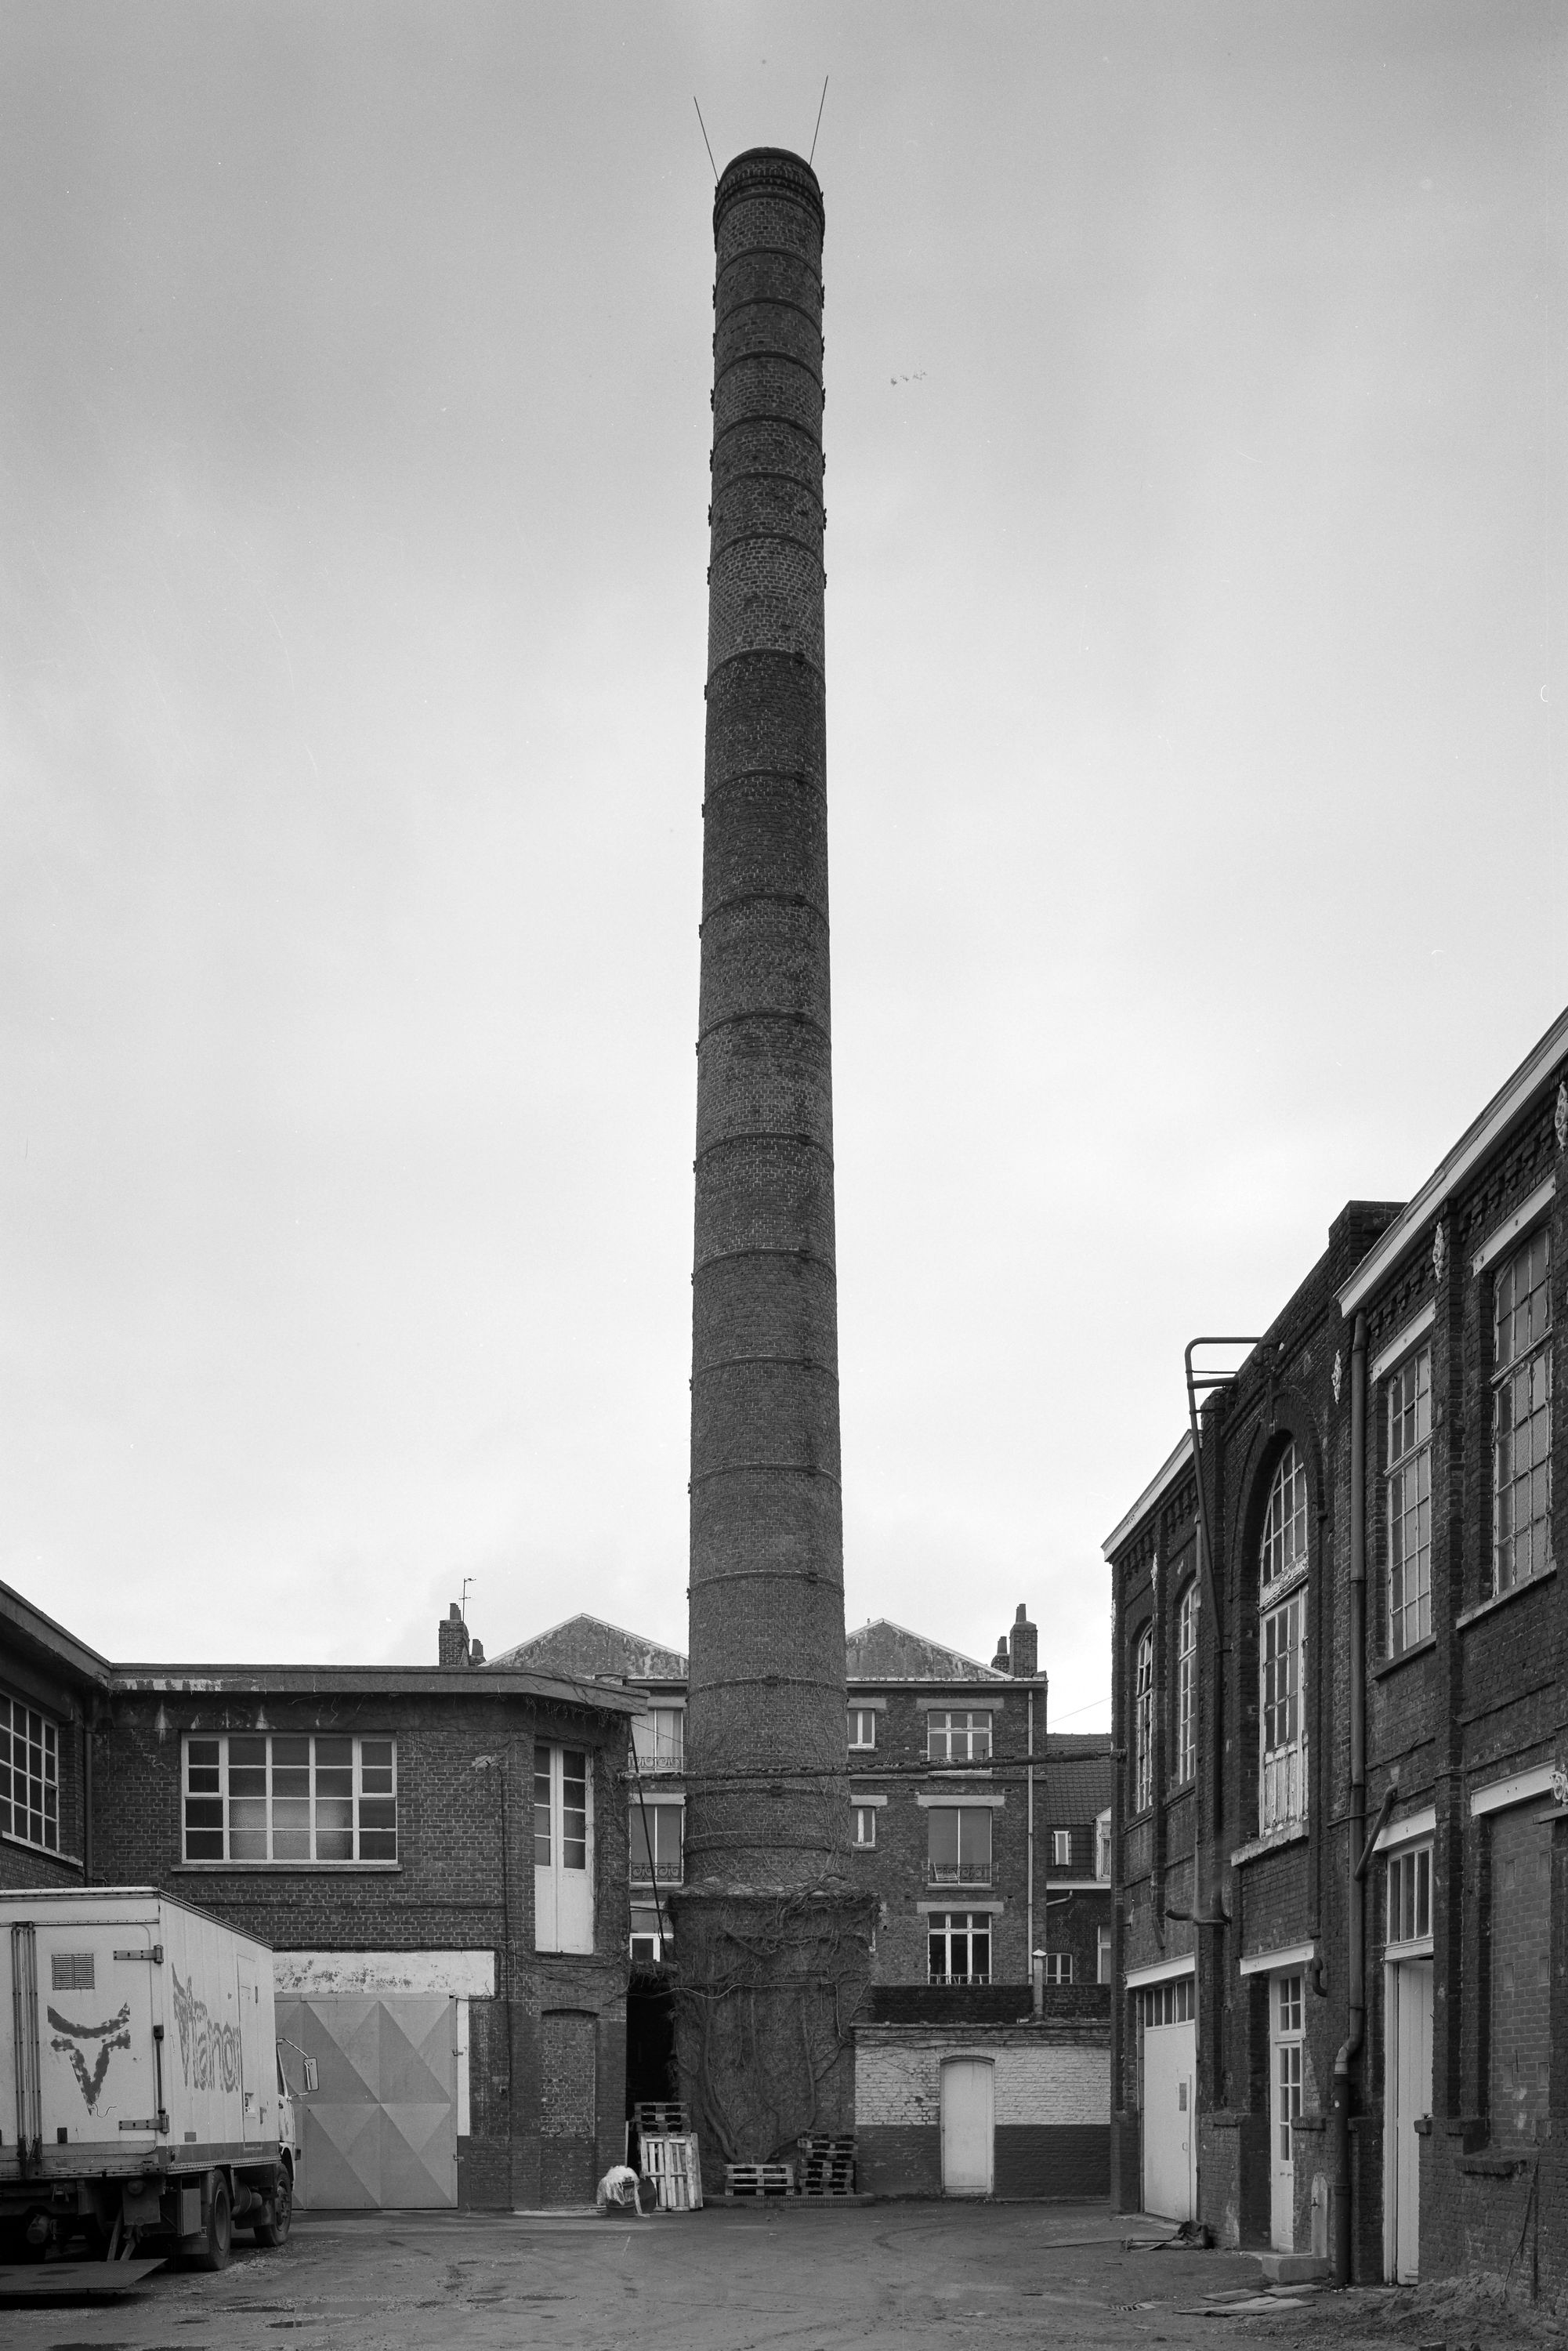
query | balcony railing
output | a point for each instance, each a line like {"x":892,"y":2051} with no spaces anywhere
{"x":639,"y":1762}
{"x":960,"y":1873}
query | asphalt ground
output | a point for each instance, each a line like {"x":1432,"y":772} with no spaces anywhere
{"x":727,"y":2279}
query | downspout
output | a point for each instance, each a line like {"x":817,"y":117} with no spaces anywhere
{"x":1356,"y":1891}
{"x":1029,"y":1897}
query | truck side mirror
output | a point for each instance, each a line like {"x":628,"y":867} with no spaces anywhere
{"x":312,"y":2075}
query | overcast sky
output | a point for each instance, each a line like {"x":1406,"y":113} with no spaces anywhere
{"x":1196,"y":585}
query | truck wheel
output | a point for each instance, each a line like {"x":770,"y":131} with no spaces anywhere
{"x":215,"y":2253}
{"x":274,"y":2229}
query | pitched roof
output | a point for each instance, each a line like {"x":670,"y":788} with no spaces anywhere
{"x":1077,"y":1785}
{"x":587,"y":1645}
{"x":884,"y":1651}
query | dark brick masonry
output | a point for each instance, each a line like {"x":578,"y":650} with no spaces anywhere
{"x":767,"y":1816}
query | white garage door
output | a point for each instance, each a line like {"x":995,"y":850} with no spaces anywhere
{"x":381,"y":2127}
{"x":1170,"y":2077}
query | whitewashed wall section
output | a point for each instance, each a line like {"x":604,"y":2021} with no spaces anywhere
{"x":901,"y":2087}
{"x":462,"y":1976}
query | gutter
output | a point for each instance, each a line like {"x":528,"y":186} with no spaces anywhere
{"x":1359,"y":1844}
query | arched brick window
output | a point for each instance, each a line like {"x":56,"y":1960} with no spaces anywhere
{"x":1282,"y":1648}
{"x":1143,"y":1721}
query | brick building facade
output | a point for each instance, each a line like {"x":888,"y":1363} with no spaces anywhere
{"x":51,"y":1684}
{"x":436,"y":1857}
{"x":1339,"y":1847}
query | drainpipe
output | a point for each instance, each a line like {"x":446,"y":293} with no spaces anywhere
{"x":1356,"y":1891}
{"x":1029,"y":1899}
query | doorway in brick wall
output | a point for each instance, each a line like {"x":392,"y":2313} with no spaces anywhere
{"x":568,"y":2064}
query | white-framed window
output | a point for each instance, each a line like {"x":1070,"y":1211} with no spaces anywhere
{"x":958,"y":1850}
{"x":307,"y":1797}
{"x":1408,"y":1500}
{"x":1187,"y":1684}
{"x":658,"y":1738}
{"x":656,"y":1831}
{"x":647,"y":1950}
{"x":29,"y":1775}
{"x":864,"y":1826}
{"x":1103,"y":1845}
{"x":1288,"y":2060}
{"x":1102,"y":1955}
{"x":959,"y":1737}
{"x":1059,"y":1967}
{"x":1409,"y":1916}
{"x":1521,"y":1415}
{"x":1282,"y":1649}
{"x":1062,"y":1848}
{"x":862,"y":1729}
{"x":959,"y":1947}
{"x":1171,"y":2002}
{"x":1143,"y":1721}
{"x":563,"y":1848}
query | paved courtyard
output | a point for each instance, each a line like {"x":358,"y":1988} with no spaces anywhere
{"x":874,"y":2277}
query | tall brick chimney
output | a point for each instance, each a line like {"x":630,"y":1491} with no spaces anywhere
{"x":1024,"y":1659}
{"x":767,"y":1901}
{"x":452,"y":1638}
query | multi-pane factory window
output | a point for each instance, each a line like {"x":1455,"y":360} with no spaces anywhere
{"x":1521,"y":1415}
{"x":959,"y":1737}
{"x":1283,"y":1552}
{"x":290,"y":1797}
{"x":1282,"y":1649}
{"x":1408,"y":1500}
{"x":862,"y":1727}
{"x":1144,"y":1722}
{"x":563,"y":1848}
{"x":658,"y":1738}
{"x":959,"y":1845}
{"x":1171,"y":2002}
{"x":864,"y":1826}
{"x":655,"y":1842}
{"x":1287,"y":2061}
{"x":959,"y":1947}
{"x":1187,"y":1684}
{"x":1410,"y":1896}
{"x":29,"y":1775}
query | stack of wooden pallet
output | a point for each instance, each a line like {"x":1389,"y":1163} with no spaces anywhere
{"x":668,"y":2153}
{"x":758,"y":2180}
{"x":827,"y":2166}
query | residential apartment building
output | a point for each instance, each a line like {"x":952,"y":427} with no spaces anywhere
{"x":1339,"y":1836}
{"x":984,"y":1836}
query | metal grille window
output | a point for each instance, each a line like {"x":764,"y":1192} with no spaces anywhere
{"x":959,"y":1845}
{"x":1410,"y":1896}
{"x":1407,"y":1501}
{"x":655,"y":1843}
{"x":1521,"y":1415}
{"x":1143,"y":1723}
{"x":1186,"y":1686}
{"x":294,"y":1797}
{"x":864,"y":1826}
{"x":1284,"y":1545}
{"x":658,"y":1738}
{"x":29,"y":1775}
{"x":959,"y":1737}
{"x":959,"y":1947}
{"x":862,"y":1727}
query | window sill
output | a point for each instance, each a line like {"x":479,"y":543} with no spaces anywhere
{"x":1295,"y":1834}
{"x":1501,"y":1599}
{"x":288,"y":1868}
{"x":1416,"y":1649}
{"x":1495,"y":2167}
{"x":44,"y":1852}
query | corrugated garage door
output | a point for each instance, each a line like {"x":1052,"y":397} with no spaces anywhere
{"x":381,"y":2128}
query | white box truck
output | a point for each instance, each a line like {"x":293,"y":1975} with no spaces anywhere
{"x":142,"y":2098}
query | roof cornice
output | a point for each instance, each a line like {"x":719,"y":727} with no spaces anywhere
{"x":1161,"y":1483}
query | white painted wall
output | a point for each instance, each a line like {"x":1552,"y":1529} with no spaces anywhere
{"x":901,"y":2087}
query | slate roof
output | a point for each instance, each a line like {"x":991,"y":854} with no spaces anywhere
{"x":588,"y":1647}
{"x":884,"y":1651}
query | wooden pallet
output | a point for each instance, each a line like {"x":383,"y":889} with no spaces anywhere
{"x":672,"y":2162}
{"x":758,"y":2180}
{"x":664,"y":2118}
{"x":827,"y":2165}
